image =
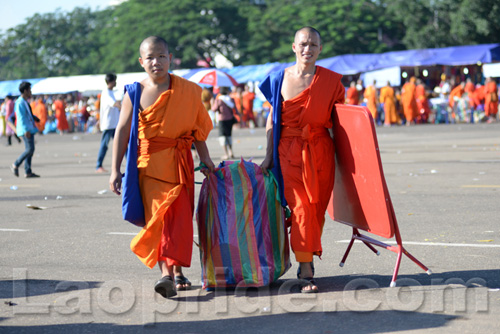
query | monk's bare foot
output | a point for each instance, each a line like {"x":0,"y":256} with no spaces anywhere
{"x":181,"y":282}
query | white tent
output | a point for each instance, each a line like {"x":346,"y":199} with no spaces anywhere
{"x":491,"y":70}
{"x":391,"y":74}
{"x":60,"y":85}
{"x":87,"y":84}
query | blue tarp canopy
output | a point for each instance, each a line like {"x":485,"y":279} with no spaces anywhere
{"x":11,"y":87}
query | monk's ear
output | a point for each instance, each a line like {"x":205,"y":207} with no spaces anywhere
{"x":320,"y":48}
{"x":293,"y":47}
{"x":140,"y":61}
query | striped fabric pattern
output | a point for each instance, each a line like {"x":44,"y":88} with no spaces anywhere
{"x":241,"y":226}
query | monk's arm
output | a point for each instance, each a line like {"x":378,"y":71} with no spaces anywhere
{"x":268,"y":160}
{"x":120,"y":142}
{"x":202,"y":149}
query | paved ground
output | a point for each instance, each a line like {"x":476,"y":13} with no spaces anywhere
{"x":68,"y":268}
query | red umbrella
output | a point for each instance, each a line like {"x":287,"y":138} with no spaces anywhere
{"x":213,"y":77}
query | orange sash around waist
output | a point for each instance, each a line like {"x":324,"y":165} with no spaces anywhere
{"x":157,"y":144}
{"x":309,"y":168}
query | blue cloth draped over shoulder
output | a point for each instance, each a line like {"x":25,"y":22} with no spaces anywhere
{"x":271,"y":88}
{"x":132,"y":206}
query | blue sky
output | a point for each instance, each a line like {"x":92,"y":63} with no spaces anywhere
{"x":16,"y":12}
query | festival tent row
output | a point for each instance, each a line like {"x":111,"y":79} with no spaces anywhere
{"x":351,"y":64}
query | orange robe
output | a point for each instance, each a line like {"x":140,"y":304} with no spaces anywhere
{"x":40,"y":111}
{"x":166,"y":173}
{"x":455,"y":92}
{"x":371,"y":96}
{"x":470,"y":89}
{"x":491,"y":99}
{"x":248,"y":98}
{"x":307,"y":158}
{"x":352,"y":96}
{"x":409,"y":101}
{"x":62,"y":121}
{"x":422,"y":103}
{"x":388,"y":98}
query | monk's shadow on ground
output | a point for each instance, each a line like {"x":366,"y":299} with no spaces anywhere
{"x":468,"y":278}
{"x":37,"y":287}
{"x":290,"y":323}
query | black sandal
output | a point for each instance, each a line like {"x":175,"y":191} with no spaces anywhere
{"x":165,"y":287}
{"x":309,"y":281}
{"x":182,"y":283}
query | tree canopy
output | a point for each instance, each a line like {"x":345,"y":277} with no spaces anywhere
{"x":83,"y":41}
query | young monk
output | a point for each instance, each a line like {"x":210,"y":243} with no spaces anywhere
{"x":171,"y":118}
{"x":300,"y":150}
{"x":409,"y":101}
{"x":388,"y":99}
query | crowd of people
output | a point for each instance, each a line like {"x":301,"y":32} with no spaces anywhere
{"x":61,"y":113}
{"x":414,"y":103}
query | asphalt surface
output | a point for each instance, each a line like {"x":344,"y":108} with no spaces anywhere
{"x":67,"y":267}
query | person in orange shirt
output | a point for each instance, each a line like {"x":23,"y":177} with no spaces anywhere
{"x":388,"y":99}
{"x":409,"y":101}
{"x":300,"y":150}
{"x":470,"y":89}
{"x":171,"y":118}
{"x":247,"y":104}
{"x":60,"y":112}
{"x":453,"y":100}
{"x":352,"y":96}
{"x":491,"y":99}
{"x":422,"y":103}
{"x":455,"y":94}
{"x":40,"y":111}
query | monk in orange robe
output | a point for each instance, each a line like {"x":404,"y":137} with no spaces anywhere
{"x":371,"y":99}
{"x":236,"y":95}
{"x":40,"y":111}
{"x":388,"y":99}
{"x":470,"y":89}
{"x":352,"y":96}
{"x":300,"y":149}
{"x":171,"y":118}
{"x":60,"y":112}
{"x":422,"y":103}
{"x":409,"y":101}
{"x":247,"y":104}
{"x":491,"y":99}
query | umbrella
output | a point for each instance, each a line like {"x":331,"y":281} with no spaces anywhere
{"x":213,"y":77}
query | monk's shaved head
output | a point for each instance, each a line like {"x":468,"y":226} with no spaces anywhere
{"x":153,"y":40}
{"x":309,"y":30}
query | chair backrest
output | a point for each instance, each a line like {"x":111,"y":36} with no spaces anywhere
{"x":360,"y":196}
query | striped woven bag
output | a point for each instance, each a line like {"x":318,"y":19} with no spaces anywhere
{"x":241,"y":227}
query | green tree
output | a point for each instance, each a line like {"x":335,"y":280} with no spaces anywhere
{"x":52,"y":44}
{"x":194,"y":30}
{"x":346,"y":27}
{"x":476,"y":22}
